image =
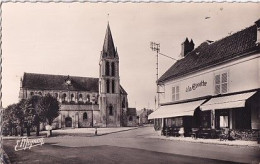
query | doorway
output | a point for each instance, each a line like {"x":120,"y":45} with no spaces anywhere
{"x":68,"y":122}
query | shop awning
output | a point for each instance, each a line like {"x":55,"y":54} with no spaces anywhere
{"x":175,"y":110}
{"x":227,"y":102}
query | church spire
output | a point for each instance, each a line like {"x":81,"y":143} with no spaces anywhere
{"x":108,"y":47}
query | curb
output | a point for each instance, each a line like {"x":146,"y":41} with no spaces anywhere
{"x":117,"y":131}
{"x":203,"y":142}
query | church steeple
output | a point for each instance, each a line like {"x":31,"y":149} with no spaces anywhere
{"x":109,"y":83}
{"x":108,"y":47}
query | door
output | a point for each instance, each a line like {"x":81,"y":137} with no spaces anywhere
{"x":68,"y":122}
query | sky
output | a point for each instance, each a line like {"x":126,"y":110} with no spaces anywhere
{"x":67,"y":38}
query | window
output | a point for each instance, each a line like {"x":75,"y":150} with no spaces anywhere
{"x":175,"y":93}
{"x":223,"y":121}
{"x":123,"y":102}
{"x":40,"y":93}
{"x":221,"y":83}
{"x":31,"y":93}
{"x":110,"y":110}
{"x":113,"y":69}
{"x":56,"y":95}
{"x":107,"y":69}
{"x":72,"y":97}
{"x":113,"y":86}
{"x":64,"y":97}
{"x":80,"y":97}
{"x":108,"y":88}
{"x":88,"y":98}
{"x":85,"y":116}
{"x":130,"y":118}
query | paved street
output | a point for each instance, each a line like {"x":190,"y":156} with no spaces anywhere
{"x":132,"y":146}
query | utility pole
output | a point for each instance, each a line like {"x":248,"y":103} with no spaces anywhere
{"x":156,"y":47}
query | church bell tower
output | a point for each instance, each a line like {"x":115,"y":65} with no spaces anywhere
{"x":109,"y":85}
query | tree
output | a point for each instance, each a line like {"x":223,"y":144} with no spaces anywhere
{"x":34,"y":111}
{"x":9,"y":118}
{"x":49,"y":109}
{"x":21,"y":115}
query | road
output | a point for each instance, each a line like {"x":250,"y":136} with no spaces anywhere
{"x":131,"y":146}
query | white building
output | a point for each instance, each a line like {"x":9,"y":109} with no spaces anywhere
{"x":213,"y":86}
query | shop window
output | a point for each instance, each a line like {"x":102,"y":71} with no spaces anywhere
{"x":113,"y":86}
{"x":111,"y":110}
{"x":108,"y":88}
{"x":221,"y":83}
{"x":107,"y":69}
{"x":175,"y":93}
{"x":85,"y":116}
{"x":113,"y":69}
{"x":223,"y":121}
{"x":205,"y":119}
{"x":222,"y":118}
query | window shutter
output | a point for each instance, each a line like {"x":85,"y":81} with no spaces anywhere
{"x":173,"y":93}
{"x":217,"y":84}
{"x":177,"y":93}
{"x":224,"y":82}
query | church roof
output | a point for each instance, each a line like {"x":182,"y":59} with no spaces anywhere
{"x":58,"y":82}
{"x":211,"y":53}
{"x":122,"y":90}
{"x":108,"y":47}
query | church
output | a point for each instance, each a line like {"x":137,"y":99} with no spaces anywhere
{"x":85,"y":101}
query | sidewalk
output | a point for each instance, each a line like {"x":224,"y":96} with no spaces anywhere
{"x":207,"y":141}
{"x":87,"y":132}
{"x":91,"y":131}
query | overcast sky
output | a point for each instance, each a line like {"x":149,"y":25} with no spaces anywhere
{"x":66,"y":39}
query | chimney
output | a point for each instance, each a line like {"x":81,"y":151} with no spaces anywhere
{"x":186,"y":47}
{"x":258,"y":31}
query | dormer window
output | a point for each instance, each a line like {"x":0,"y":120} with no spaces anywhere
{"x":68,"y":81}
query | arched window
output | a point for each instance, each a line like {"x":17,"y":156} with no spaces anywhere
{"x":80,"y":97}
{"x":108,"y":86}
{"x":123,"y":102}
{"x":88,"y":98}
{"x":113,"y":86}
{"x":107,"y":69}
{"x":64,"y":97}
{"x":110,"y":110}
{"x":113,"y":69}
{"x":72,"y":97}
{"x":85,"y":116}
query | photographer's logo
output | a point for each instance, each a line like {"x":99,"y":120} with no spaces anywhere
{"x":26,"y":143}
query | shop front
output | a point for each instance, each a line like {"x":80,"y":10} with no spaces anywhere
{"x":175,"y":119}
{"x":234,"y":112}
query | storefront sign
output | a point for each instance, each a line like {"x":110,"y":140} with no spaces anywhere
{"x":195,"y":86}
